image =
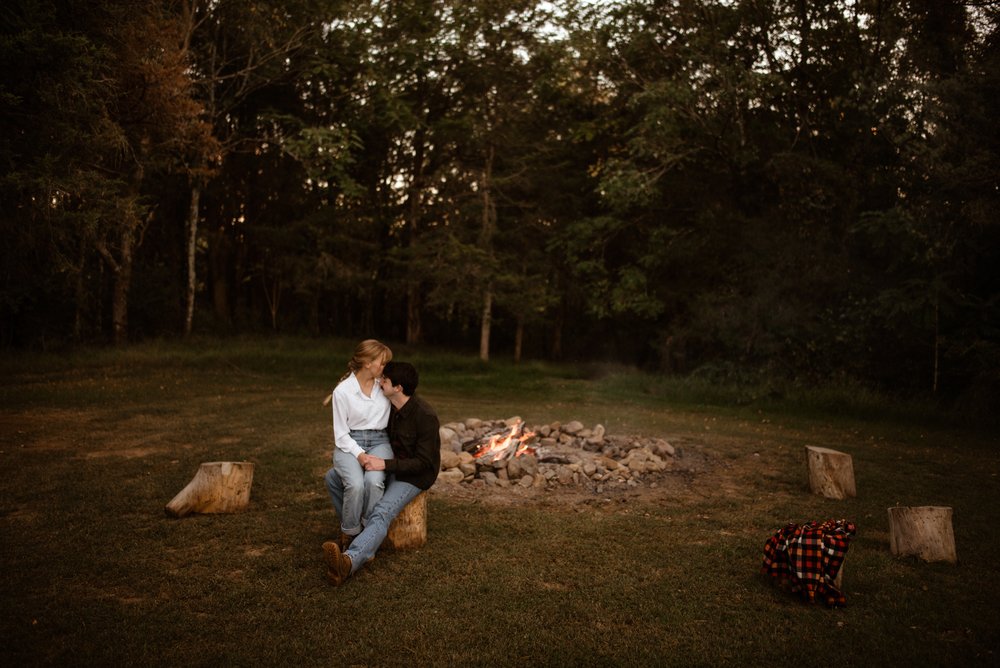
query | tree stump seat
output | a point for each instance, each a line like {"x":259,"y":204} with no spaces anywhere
{"x":409,"y":530}
{"x":831,"y":473}
{"x":217,"y":487}
{"x":922,"y":531}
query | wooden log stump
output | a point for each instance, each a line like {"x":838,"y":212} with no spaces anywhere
{"x":922,"y":531}
{"x":831,"y":473}
{"x":409,"y":529}
{"x":217,"y":487}
{"x":838,"y":580}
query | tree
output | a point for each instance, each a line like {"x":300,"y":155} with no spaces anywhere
{"x":494,"y":49}
{"x":238,"y":51}
{"x":138,"y":118}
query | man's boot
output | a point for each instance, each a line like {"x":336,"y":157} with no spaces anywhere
{"x":338,"y":564}
{"x":344,"y":541}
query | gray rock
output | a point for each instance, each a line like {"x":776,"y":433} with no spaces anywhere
{"x":573,"y":427}
{"x":608,"y":463}
{"x":514,"y":468}
{"x":447,"y":435}
{"x":449,"y":459}
{"x":664,"y":448}
{"x":451,"y":476}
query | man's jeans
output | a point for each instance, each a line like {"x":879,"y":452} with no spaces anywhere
{"x":353,"y":490}
{"x":397,"y":495}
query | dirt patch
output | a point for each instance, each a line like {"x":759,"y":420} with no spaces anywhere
{"x":694,"y":473}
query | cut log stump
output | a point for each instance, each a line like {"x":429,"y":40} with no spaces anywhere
{"x":838,"y":580}
{"x":922,"y":531}
{"x":217,"y":487}
{"x":831,"y":473}
{"x":409,"y":529}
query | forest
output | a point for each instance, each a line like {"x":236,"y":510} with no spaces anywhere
{"x":734,"y":189}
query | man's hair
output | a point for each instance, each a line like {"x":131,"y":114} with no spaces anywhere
{"x":402,"y":373}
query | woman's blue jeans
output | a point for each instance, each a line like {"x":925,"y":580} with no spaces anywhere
{"x":359,"y":490}
{"x":397,"y":495}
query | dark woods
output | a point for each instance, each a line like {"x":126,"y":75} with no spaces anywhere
{"x":804,"y":190}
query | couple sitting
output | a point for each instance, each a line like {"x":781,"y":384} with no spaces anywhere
{"x":387,"y":451}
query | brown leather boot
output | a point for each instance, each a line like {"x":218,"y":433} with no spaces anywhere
{"x":344,"y":541}
{"x":338,"y":564}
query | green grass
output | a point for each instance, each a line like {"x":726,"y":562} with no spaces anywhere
{"x":94,"y":443}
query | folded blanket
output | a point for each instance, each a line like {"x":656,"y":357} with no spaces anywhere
{"x":809,"y":557}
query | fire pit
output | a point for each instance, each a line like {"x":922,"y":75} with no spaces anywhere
{"x":502,"y":445}
{"x":502,"y":453}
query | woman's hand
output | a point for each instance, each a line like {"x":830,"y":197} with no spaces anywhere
{"x":373,"y":463}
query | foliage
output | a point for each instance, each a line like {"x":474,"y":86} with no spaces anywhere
{"x":801,"y":190}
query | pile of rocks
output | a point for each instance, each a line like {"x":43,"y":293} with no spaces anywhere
{"x":565,"y":454}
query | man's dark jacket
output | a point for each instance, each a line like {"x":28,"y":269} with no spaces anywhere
{"x":414,"y":432}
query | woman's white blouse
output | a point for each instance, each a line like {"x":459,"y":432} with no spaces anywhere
{"x":353,"y":410}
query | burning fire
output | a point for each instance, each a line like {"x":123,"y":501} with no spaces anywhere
{"x":500,"y":447}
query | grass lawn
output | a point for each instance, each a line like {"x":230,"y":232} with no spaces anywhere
{"x":94,"y":444}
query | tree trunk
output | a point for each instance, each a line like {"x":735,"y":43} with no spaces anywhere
{"x":217,"y":487}
{"x":413,"y":332}
{"x":81,"y":293}
{"x":121,"y":270}
{"x":413,"y":325}
{"x":557,"y":327}
{"x":220,"y":275}
{"x":518,"y":338}
{"x":273,"y":297}
{"x":123,"y":282}
{"x":484,"y":331}
{"x":192,"y":237}
{"x":486,"y":241}
{"x":922,"y":531}
{"x":937,"y":340}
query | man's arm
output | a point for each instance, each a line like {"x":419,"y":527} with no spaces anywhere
{"x":427,"y":452}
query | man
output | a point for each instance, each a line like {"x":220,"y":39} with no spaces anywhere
{"x":416,"y":446}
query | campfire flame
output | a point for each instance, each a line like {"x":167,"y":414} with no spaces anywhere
{"x":499,"y":447}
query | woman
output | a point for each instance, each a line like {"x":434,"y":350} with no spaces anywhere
{"x":360,"y":416}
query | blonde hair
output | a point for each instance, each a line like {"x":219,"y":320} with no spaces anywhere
{"x":367,"y":351}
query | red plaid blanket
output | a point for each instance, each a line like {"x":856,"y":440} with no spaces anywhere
{"x":809,"y":557}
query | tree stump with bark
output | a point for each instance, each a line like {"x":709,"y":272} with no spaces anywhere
{"x":217,"y":487}
{"x":831,"y":473}
{"x":922,"y":531}
{"x":409,"y":529}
